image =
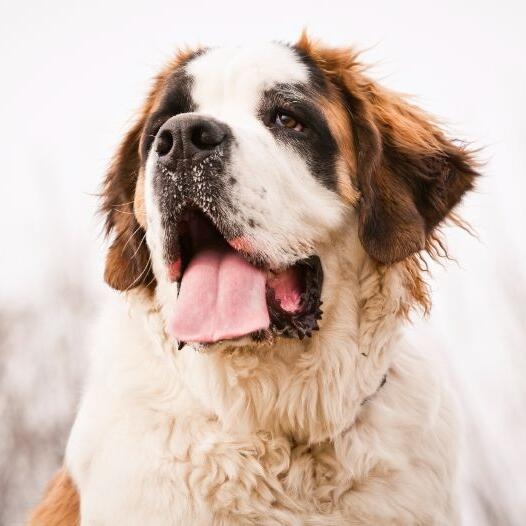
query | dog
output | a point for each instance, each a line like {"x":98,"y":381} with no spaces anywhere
{"x":268,"y":210}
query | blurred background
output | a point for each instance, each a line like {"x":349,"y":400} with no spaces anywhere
{"x":72,"y":76}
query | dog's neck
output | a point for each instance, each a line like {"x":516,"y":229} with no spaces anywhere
{"x":308,"y":390}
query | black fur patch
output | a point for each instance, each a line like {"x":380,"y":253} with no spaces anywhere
{"x":317,"y":79}
{"x":315,"y":143}
{"x":177,"y":98}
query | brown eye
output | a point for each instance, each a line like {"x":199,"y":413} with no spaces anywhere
{"x":286,"y":121}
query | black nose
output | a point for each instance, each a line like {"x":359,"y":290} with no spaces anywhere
{"x":190,"y":136}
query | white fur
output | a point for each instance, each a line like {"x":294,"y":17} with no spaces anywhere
{"x":268,"y":436}
{"x":229,"y":80}
{"x":293,"y":433}
{"x":274,"y":184}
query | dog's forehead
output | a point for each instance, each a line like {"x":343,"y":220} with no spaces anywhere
{"x":241,"y":74}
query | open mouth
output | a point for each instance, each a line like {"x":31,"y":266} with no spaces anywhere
{"x":225,"y":294}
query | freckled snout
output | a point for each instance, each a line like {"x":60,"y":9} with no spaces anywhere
{"x":191,"y":137}
{"x":191,"y":155}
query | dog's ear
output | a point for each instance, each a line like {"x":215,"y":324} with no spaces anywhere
{"x":127,"y":261}
{"x":409,"y":174}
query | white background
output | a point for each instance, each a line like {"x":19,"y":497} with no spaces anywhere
{"x":71,"y":76}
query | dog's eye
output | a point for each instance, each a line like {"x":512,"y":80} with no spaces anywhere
{"x":284,"y":120}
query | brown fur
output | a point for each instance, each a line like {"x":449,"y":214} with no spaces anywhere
{"x":128,"y":261}
{"x":409,"y":174}
{"x":60,"y":505}
{"x":338,"y":120}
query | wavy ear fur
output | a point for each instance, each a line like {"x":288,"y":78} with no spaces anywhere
{"x":409,"y":173}
{"x":413,"y":180}
{"x":127,"y":261}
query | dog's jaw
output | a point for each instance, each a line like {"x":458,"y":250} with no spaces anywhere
{"x":340,"y":366}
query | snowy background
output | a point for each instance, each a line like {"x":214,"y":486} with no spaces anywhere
{"x":72,"y":75}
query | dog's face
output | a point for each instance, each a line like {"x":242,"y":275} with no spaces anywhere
{"x":246,"y":164}
{"x":240,"y":190}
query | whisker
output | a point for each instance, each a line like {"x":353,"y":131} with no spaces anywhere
{"x":122,"y":204}
{"x":140,"y":243}
{"x":151,"y":281}
{"x":147,"y":267}
{"x":130,"y":238}
{"x":125,"y":212}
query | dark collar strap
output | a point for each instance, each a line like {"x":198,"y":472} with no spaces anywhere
{"x":365,"y":400}
{"x":382,"y":383}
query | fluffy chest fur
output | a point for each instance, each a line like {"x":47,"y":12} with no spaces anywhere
{"x":167,"y":437}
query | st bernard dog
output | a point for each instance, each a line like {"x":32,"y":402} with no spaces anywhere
{"x":268,"y":212}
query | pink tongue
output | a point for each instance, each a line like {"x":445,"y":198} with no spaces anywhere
{"x":222,"y":296}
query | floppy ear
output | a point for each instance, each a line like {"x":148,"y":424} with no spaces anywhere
{"x":127,"y":261}
{"x":413,"y":178}
{"x":409,"y":173}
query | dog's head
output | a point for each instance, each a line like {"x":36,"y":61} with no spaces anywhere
{"x":245,"y":171}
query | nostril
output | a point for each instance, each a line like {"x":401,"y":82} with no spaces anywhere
{"x":164,"y":143}
{"x":207,"y":136}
